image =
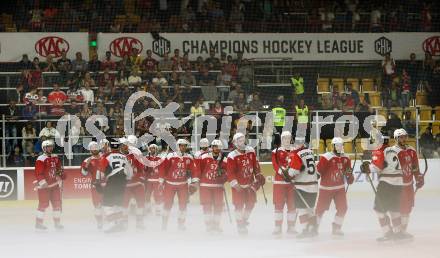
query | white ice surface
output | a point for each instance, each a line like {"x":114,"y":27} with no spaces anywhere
{"x":81,"y":239}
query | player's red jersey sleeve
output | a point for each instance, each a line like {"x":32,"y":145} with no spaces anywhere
{"x":322,"y":165}
{"x":295,"y":161}
{"x":39,"y":170}
{"x":231,"y":169}
{"x":274,"y":161}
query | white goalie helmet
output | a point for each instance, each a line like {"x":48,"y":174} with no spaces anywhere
{"x":204,"y":143}
{"x":399,"y":132}
{"x":217,"y":143}
{"x":93,"y":146}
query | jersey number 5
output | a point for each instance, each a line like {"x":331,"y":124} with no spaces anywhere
{"x":310,"y":166}
{"x":117,"y":164}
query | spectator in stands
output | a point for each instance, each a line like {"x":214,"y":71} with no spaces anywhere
{"x":348,"y":103}
{"x":426,"y":21}
{"x":108,"y":62}
{"x":134,"y":79}
{"x":353,"y":94}
{"x":255,"y":104}
{"x":176,"y":58}
{"x":236,"y":89}
{"x":375,"y":19}
{"x":73,"y":108}
{"x":207,"y":84}
{"x":85,"y":113}
{"x":16,"y":159}
{"x":231,"y":67}
{"x":224,"y":78}
{"x":125,"y":64}
{"x":427,"y":142}
{"x":135,"y":59}
{"x":17,"y":95}
{"x":197,"y":109}
{"x":73,"y":93}
{"x":94,"y":64}
{"x":149,"y":65}
{"x":327,"y":17}
{"x":88,"y":94}
{"x":432,"y":87}
{"x":363,"y":105}
{"x":36,"y":65}
{"x":121,"y":80}
{"x":216,"y":110}
{"x":240,"y":103}
{"x":79,"y":65}
{"x":186,"y":64}
{"x":188,"y":79}
{"x":389,"y":70}
{"x":29,"y":135}
{"x":11,"y":114}
{"x":25,"y":63}
{"x":199,"y":64}
{"x":165,"y":64}
{"x":57,"y":98}
{"x":236,"y":17}
{"x":405,"y":89}
{"x":116,"y":111}
{"x":336,"y":99}
{"x":212,"y":62}
{"x":245,"y":75}
{"x":87,"y":80}
{"x":49,"y":66}
{"x":413,"y":70}
{"x":41,"y":100}
{"x":409,"y":124}
{"x":106,"y":79}
{"x":64,"y":64}
{"x":49,"y":132}
{"x":29,"y":112}
{"x":100,"y":109}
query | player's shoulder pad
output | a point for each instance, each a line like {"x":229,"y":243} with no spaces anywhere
{"x":328,"y":155}
{"x":205,"y":155}
{"x":249,"y":149}
{"x":233,"y":154}
{"x":42,"y":157}
{"x":411,"y":148}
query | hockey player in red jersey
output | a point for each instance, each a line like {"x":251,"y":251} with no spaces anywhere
{"x":49,"y":175}
{"x":152,"y":183}
{"x":89,"y":167}
{"x":302,"y":171}
{"x":334,"y":168}
{"x":212,"y":178}
{"x":245,"y":178}
{"x":176,"y":177}
{"x":135,"y":188}
{"x":396,"y":166}
{"x":283,"y":189}
{"x":116,"y":170}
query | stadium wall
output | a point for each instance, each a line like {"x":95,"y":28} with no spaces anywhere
{"x":17,"y":183}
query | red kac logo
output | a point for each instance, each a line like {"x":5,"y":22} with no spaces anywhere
{"x":51,"y":46}
{"x":432,"y":45}
{"x":123,"y":46}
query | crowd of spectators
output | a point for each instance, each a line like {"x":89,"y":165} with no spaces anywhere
{"x":222,"y":16}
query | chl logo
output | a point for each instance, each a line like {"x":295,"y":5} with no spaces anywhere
{"x":161,"y":46}
{"x":432,"y":45}
{"x":54,"y":46}
{"x":6,"y":186}
{"x":383,"y":46}
{"x":124,"y":45}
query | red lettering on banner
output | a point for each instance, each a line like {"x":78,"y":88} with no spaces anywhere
{"x":51,"y":46}
{"x":123,"y":46}
{"x":432,"y":45}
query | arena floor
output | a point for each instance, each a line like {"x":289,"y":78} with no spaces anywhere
{"x":81,"y":239}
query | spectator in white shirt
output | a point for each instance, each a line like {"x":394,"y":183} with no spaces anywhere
{"x":134,"y":79}
{"x":49,"y":131}
{"x":88,"y":94}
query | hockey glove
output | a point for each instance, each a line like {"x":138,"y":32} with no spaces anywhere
{"x":192,"y":188}
{"x":350,"y":178}
{"x":260,"y":180}
{"x":420,"y":181}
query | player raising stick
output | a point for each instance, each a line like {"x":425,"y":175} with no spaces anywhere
{"x":283,"y":189}
{"x":178,"y":170}
{"x":49,"y":174}
{"x":244,"y":175}
{"x":302,"y":170}
{"x":334,"y":168}
{"x":89,"y":167}
{"x":212,"y":179}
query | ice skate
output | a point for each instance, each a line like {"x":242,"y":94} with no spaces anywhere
{"x":291,"y":230}
{"x":386,"y":237}
{"x":118,"y":227}
{"x":39,"y":227}
{"x":59,"y":227}
{"x":401,"y":236}
{"x":277,"y":231}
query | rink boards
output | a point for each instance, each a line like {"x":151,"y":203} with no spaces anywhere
{"x":17,"y":183}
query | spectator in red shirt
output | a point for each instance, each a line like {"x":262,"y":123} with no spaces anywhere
{"x":108,"y":62}
{"x":149,"y":65}
{"x":57,"y":98}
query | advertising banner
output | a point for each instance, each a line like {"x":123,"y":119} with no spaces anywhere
{"x":41,"y":44}
{"x":8,"y":185}
{"x":297,"y":46}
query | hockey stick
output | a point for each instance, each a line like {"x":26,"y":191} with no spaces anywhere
{"x":426,"y":170}
{"x":354,"y":163}
{"x":227,"y":205}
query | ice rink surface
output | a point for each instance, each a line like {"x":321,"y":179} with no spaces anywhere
{"x":81,"y":239}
